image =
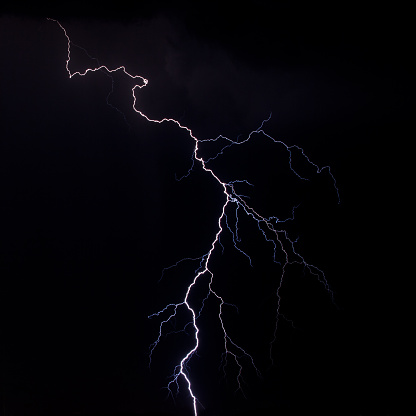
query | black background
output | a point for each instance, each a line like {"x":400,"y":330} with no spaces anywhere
{"x":91,"y":211}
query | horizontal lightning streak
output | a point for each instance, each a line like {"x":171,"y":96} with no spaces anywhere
{"x":279,"y":238}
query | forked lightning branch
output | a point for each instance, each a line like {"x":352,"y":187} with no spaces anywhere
{"x":270,"y":228}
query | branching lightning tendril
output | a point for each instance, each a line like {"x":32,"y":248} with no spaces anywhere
{"x":277,"y":237}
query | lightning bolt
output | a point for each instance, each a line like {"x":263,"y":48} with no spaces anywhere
{"x":269,"y":227}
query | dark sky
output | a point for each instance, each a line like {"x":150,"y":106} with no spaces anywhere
{"x":91,"y":211}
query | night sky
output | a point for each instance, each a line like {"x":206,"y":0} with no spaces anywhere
{"x":92,"y":211}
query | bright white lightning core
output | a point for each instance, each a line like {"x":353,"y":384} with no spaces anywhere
{"x":276,"y":237}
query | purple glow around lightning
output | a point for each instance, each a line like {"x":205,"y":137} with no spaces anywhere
{"x":277,"y":238}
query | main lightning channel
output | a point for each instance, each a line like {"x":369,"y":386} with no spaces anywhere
{"x":268,"y":227}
